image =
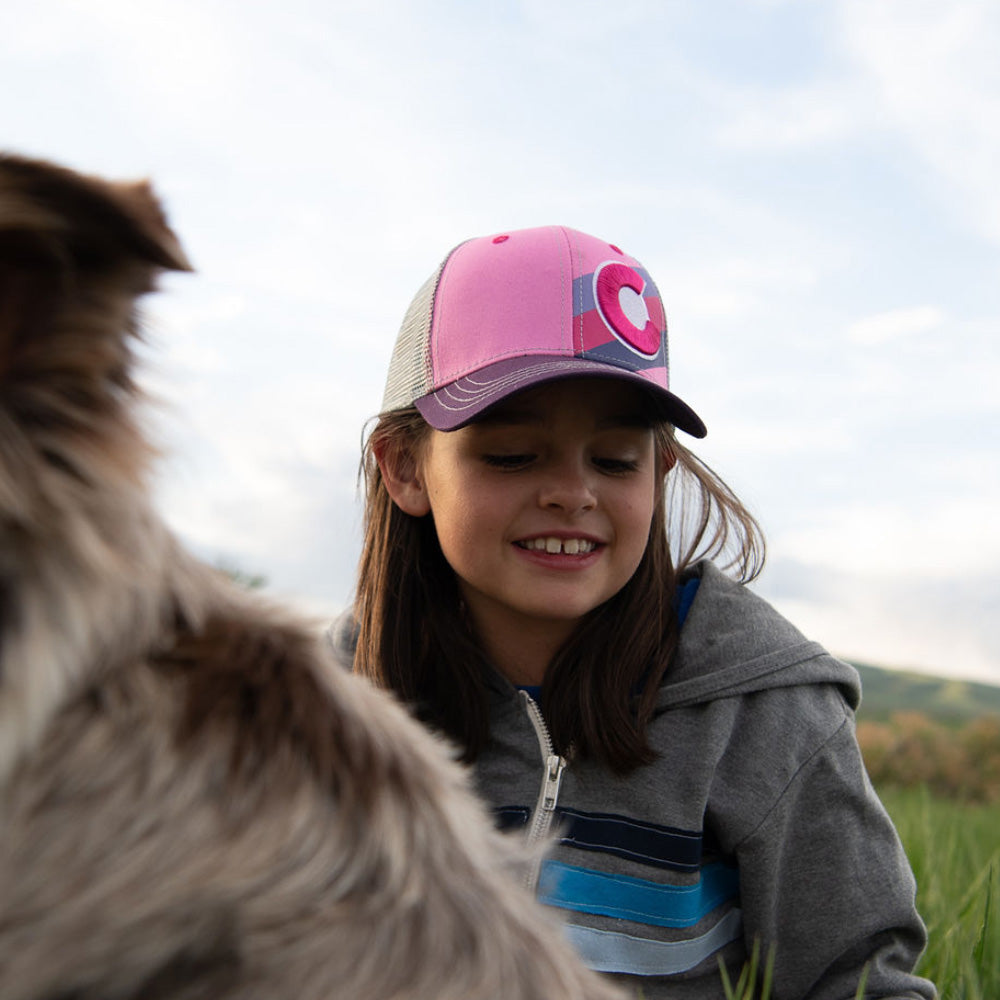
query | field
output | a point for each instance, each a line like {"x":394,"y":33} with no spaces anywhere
{"x":932,"y":747}
{"x":954,"y":848}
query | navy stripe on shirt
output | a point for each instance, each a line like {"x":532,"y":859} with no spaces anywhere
{"x":636,"y":840}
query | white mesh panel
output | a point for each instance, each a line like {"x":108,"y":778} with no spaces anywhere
{"x":410,"y":366}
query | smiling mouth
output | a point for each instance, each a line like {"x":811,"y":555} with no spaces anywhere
{"x":558,"y":546}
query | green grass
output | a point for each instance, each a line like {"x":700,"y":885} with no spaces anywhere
{"x":955,"y":853}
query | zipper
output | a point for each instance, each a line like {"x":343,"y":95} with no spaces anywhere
{"x":548,"y":794}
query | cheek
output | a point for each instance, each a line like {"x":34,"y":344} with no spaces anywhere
{"x":460,"y":522}
{"x":641,"y":511}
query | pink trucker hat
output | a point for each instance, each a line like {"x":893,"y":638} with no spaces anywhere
{"x":506,"y":312}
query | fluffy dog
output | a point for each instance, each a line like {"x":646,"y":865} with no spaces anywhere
{"x":193,"y":801}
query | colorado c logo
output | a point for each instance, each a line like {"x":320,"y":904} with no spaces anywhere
{"x":618,"y":292}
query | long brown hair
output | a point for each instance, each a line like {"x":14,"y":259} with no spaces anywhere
{"x":600,"y":690}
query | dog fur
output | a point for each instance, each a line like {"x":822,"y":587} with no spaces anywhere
{"x":194,"y":802}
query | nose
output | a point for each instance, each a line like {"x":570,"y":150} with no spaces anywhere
{"x":567,"y":488}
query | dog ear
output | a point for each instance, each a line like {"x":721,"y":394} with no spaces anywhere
{"x":55,"y":223}
{"x":145,"y":230}
{"x":98,"y":221}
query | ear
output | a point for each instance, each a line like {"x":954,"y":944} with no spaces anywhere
{"x":145,"y":229}
{"x":60,"y":233}
{"x":403,"y":481}
{"x":86,"y":219}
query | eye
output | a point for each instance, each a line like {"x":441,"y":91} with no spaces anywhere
{"x":616,"y":466}
{"x":508,"y":462}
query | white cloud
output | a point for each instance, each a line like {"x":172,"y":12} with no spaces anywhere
{"x":920,"y":71}
{"x":895,"y":324}
{"x":870,"y":623}
{"x":737,"y":287}
{"x":933,"y":74}
{"x":892,"y":539}
{"x":780,"y":118}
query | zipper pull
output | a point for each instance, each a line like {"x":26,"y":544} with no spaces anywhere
{"x":545,"y":810}
{"x":554,"y":767}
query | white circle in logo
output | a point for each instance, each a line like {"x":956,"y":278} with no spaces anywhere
{"x":634,"y":307}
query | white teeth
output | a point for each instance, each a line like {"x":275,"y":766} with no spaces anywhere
{"x":554,"y":546}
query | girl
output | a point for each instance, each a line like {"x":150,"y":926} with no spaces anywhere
{"x":532,"y":590}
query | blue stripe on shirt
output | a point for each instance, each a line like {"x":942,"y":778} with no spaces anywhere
{"x":609,"y":951}
{"x":626,"y":898}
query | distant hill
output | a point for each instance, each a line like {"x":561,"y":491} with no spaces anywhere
{"x":947,"y":700}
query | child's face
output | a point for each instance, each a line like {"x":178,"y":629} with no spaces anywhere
{"x":543,"y":507}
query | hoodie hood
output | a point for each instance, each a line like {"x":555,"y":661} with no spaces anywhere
{"x":734,"y":643}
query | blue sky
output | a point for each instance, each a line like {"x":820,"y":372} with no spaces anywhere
{"x":811,"y":183}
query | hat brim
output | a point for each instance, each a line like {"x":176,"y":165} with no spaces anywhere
{"x":459,"y":402}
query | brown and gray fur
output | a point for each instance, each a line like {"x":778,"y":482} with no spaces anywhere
{"x":194,"y":803}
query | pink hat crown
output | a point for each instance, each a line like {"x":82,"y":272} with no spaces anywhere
{"x":505,"y":312}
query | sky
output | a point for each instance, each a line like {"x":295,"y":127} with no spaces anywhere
{"x":811,"y":183}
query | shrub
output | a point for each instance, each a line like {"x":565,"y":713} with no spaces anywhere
{"x":912,"y":750}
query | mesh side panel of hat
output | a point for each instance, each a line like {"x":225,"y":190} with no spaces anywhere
{"x":409,"y":375}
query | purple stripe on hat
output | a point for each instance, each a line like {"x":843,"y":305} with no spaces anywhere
{"x":454,"y":405}
{"x":616,"y":353}
{"x":480,"y":390}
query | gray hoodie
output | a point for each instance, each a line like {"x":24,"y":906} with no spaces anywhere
{"x":756,"y":823}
